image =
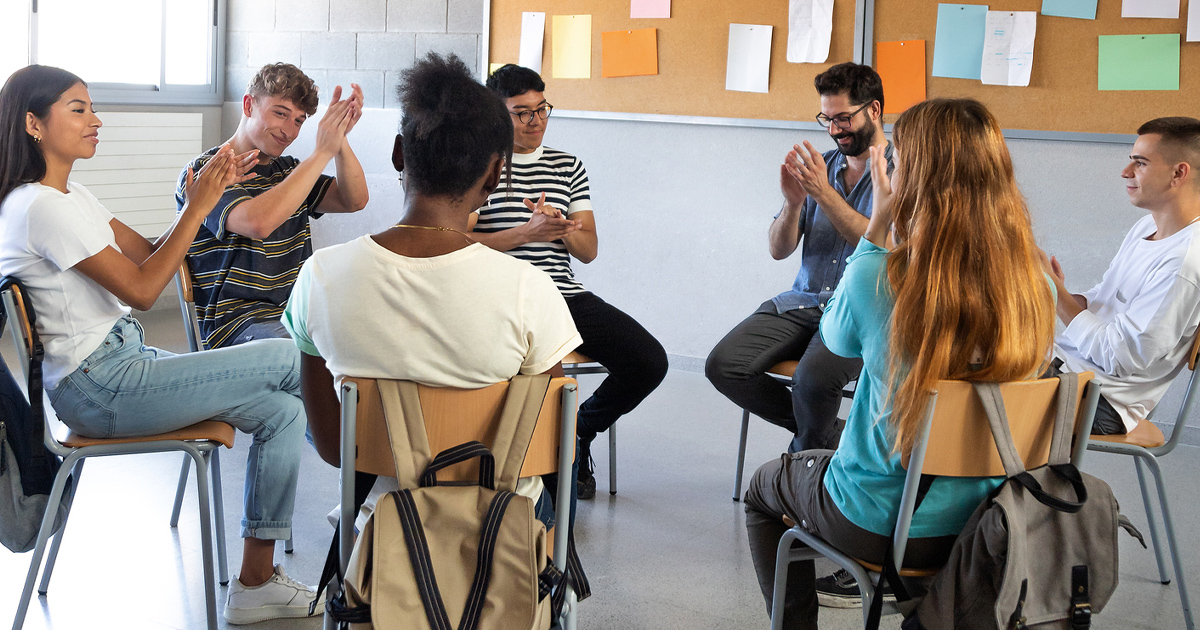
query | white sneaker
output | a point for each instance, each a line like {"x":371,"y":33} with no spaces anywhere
{"x":278,"y":597}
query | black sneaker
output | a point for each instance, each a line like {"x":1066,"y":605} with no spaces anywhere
{"x":840,"y":590}
{"x":585,"y":489}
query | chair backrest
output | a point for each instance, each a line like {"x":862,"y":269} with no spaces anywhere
{"x":454,"y":416}
{"x":961,"y":444}
{"x":187,"y":307}
{"x":18,"y":323}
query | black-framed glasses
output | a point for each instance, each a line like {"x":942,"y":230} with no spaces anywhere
{"x":841,"y":121}
{"x":526,"y":116}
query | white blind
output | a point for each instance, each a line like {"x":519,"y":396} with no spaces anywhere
{"x":137,"y":165}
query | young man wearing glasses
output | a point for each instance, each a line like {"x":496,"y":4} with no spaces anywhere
{"x":826,"y":201}
{"x":546,"y":218}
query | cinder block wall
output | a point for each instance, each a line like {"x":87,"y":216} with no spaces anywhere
{"x":337,"y":42}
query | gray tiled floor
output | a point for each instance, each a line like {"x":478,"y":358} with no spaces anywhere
{"x":668,"y":551}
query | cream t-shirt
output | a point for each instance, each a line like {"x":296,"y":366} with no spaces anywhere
{"x":467,"y":319}
{"x":44,"y":233}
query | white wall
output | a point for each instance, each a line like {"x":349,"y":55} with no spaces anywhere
{"x":682,"y":210}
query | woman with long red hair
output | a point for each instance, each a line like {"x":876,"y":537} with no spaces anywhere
{"x":961,"y":295}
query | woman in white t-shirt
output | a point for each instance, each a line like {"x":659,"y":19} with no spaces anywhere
{"x":422,"y":300}
{"x":79,"y":263}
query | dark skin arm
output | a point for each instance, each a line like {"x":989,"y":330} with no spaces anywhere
{"x":324,"y":410}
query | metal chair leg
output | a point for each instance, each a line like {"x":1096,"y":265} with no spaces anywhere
{"x":612,"y":459}
{"x":39,"y":548}
{"x":1152,"y":522}
{"x":287,"y":545}
{"x":737,"y":479}
{"x":1169,"y":527}
{"x":48,"y":570}
{"x":214,"y":465}
{"x":206,"y":536}
{"x":180,"y":490}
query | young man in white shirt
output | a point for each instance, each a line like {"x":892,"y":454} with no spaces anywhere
{"x":1135,"y":327}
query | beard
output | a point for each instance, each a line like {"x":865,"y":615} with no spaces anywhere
{"x":860,"y":140}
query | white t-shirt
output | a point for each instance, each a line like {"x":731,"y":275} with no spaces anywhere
{"x":43,"y":235}
{"x":467,"y":319}
{"x":1140,"y":320}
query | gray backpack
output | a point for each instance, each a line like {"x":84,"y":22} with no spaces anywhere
{"x":1030,"y":557}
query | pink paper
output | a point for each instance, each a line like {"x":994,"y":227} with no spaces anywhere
{"x":649,"y":8}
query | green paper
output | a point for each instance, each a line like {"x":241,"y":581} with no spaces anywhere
{"x":1139,"y":62}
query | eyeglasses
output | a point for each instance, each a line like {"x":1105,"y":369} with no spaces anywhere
{"x":526,"y":116}
{"x":842,"y":121}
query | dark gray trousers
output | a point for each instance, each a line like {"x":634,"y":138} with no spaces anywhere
{"x":738,"y":366}
{"x":794,"y":485}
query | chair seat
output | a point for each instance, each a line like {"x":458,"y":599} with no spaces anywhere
{"x":575,"y":357}
{"x":783,"y":368}
{"x":1146,"y":434}
{"x":875,"y":568}
{"x":208,"y":430}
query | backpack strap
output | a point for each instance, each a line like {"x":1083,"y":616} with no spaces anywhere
{"x":993,"y":407}
{"x":422,"y":563}
{"x":406,"y":430}
{"x":1064,"y":418}
{"x":517,"y":421}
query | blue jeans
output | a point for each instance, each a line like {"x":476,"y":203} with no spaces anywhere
{"x":127,"y":389}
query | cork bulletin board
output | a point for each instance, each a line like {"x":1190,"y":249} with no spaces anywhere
{"x":692,"y":48}
{"x":1062,"y":95}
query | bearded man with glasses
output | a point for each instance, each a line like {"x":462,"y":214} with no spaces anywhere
{"x":827,"y":202}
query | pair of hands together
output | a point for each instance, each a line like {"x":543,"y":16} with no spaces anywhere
{"x":547,"y":224}
{"x":804,"y":173}
{"x":339,"y":119}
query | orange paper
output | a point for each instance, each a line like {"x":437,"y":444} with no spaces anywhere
{"x":629,"y":53}
{"x":901,"y":65}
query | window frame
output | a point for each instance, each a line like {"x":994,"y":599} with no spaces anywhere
{"x":212,"y":93}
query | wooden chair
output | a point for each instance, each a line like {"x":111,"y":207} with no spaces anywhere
{"x":454,"y":416}
{"x":199,"y":442}
{"x":1146,"y":444}
{"x":191,"y":330}
{"x":955,"y":441}
{"x":782,"y":372}
{"x":575,"y":364}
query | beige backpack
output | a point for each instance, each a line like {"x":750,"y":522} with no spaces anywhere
{"x":447,"y":557}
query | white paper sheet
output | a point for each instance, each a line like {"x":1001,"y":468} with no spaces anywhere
{"x":748,"y":66}
{"x":1150,"y":9}
{"x":1008,"y":47}
{"x":533,"y":33}
{"x":1193,"y":25}
{"x":810,"y":25}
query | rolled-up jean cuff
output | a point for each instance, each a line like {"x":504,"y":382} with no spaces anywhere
{"x":267,"y":530}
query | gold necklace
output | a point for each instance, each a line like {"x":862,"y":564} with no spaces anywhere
{"x":439,"y":228}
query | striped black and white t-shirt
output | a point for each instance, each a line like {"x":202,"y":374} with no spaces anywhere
{"x":562,"y":177}
{"x":238,"y":280}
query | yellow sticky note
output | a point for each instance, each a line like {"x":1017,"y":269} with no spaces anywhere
{"x":571,"y":46}
{"x":494,"y":67}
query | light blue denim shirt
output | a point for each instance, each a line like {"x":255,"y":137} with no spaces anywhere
{"x":824,"y":251}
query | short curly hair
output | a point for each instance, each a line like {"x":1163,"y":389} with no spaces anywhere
{"x":286,"y":81}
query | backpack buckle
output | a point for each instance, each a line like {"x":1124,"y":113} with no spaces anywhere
{"x":1081,"y":616}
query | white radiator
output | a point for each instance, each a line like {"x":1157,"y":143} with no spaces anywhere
{"x":137,"y":165}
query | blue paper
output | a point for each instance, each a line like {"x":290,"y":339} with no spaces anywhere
{"x":958,"y":47}
{"x":1082,"y":9}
